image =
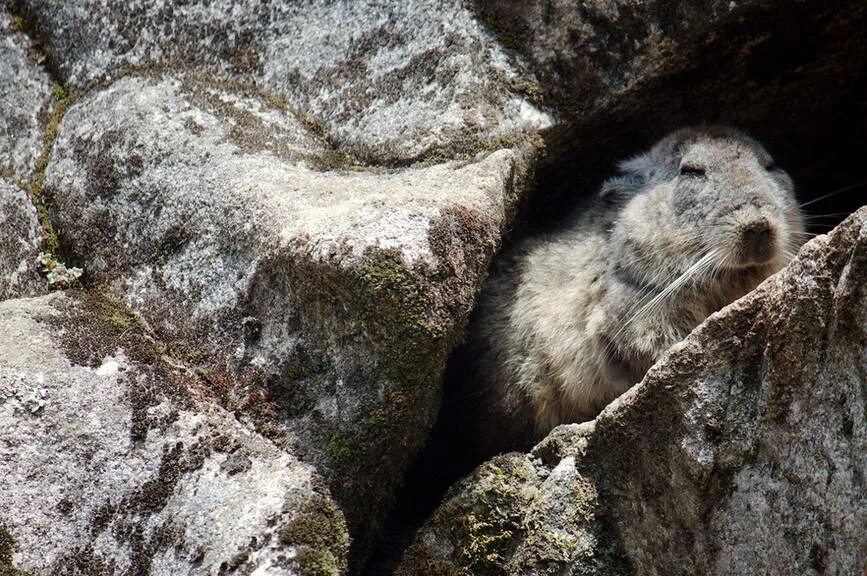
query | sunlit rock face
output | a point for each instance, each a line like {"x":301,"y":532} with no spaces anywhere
{"x":115,"y":461}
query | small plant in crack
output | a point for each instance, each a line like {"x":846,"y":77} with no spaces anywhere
{"x":56,"y":272}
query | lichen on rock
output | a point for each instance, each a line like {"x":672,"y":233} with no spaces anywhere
{"x":392,"y":83}
{"x":25,"y":100}
{"x":113,"y":458}
{"x":284,"y":213}
{"x":333,"y":296}
{"x":22,"y":243}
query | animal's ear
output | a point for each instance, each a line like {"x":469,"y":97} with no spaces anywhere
{"x":622,"y":187}
{"x":635,"y":173}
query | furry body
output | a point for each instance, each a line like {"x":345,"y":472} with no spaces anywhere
{"x":575,"y":318}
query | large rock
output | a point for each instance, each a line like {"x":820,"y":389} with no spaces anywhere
{"x":338,"y":293}
{"x":619,"y":75}
{"x":25,"y":101}
{"x":391,"y":81}
{"x":113,"y":460}
{"x":20,"y":243}
{"x":740,"y":453}
{"x":602,"y":57}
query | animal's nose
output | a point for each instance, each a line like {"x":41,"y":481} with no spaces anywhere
{"x":757,"y":242}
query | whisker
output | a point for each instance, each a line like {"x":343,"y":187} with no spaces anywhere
{"x":681,"y":280}
{"x":644,"y":295}
{"x":834,"y":193}
{"x":704,"y":269}
{"x":831,"y":215}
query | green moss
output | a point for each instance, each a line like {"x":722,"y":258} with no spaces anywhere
{"x":276,"y":102}
{"x":100,"y":324}
{"x":59,"y":92}
{"x":483,"y":521}
{"x":366,"y":461}
{"x":403,"y":312}
{"x":319,"y":524}
{"x":61,"y":103}
{"x":318,"y":531}
{"x":483,"y":543}
{"x":337,"y":449}
{"x":315,"y":126}
{"x":408,"y":322}
{"x":315,"y":562}
{"x":120,"y":319}
{"x":37,"y":186}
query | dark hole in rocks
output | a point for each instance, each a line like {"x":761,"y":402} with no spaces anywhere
{"x":800,"y":90}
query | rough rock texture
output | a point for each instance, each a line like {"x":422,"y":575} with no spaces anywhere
{"x":20,"y":243}
{"x":301,"y":200}
{"x":391,"y":81}
{"x":741,"y":452}
{"x":25,"y":101}
{"x":621,"y":74}
{"x":337,"y":294}
{"x":113,"y":461}
{"x":595,"y":56}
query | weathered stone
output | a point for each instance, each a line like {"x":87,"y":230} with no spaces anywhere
{"x":25,"y":101}
{"x":591,"y":53}
{"x":390,"y":81}
{"x":619,"y":75}
{"x":597,"y":56}
{"x":20,"y":243}
{"x":246,"y":176}
{"x":339,"y":293}
{"x":741,"y":452}
{"x":114,"y":461}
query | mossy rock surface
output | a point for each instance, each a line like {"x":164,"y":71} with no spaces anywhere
{"x":319,"y":303}
{"x":120,"y":459}
{"x":309,"y":253}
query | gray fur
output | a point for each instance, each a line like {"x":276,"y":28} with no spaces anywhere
{"x":566,"y":326}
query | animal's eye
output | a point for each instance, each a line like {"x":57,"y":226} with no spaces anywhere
{"x":771,"y":167}
{"x":689,"y":170}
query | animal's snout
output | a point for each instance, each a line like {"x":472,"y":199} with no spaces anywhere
{"x":758,"y":242}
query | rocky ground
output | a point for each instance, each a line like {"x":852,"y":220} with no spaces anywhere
{"x":238,"y":242}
